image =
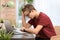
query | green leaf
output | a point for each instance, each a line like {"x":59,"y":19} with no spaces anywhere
{"x":5,"y":36}
{"x":20,"y":11}
{"x":1,"y":20}
{"x":30,"y":1}
{"x":10,"y":4}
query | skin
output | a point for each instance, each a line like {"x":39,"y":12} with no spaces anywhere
{"x":31,"y":15}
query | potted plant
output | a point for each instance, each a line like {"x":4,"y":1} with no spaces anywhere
{"x":20,"y":11}
{"x":5,"y":36}
{"x":29,"y":1}
{"x":10,"y":4}
{"x":1,"y":21}
{"x":2,"y":24}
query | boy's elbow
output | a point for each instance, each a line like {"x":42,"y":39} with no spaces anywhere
{"x":35,"y":32}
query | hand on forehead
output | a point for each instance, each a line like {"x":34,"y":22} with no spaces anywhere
{"x":26,"y":12}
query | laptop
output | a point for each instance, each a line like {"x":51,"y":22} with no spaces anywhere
{"x":8,"y":26}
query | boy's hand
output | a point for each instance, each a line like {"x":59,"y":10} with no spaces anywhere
{"x":23,"y":14}
{"x":22,"y":29}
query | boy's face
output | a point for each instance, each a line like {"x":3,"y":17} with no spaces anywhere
{"x":29,"y":14}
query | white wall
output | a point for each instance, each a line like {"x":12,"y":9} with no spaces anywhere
{"x":51,"y":8}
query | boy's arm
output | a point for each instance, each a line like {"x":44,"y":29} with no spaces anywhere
{"x":24,"y":24}
{"x":35,"y":30}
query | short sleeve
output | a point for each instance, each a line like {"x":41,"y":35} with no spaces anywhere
{"x":31,"y":22}
{"x":44,"y":21}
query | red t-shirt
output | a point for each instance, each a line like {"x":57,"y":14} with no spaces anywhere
{"x":47,"y":31}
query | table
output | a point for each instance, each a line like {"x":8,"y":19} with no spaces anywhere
{"x":23,"y":36}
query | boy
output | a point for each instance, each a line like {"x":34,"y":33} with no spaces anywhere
{"x":43,"y":27}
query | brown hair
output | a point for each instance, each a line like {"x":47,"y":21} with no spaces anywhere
{"x":28,"y":7}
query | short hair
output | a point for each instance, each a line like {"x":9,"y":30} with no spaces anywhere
{"x":28,"y":7}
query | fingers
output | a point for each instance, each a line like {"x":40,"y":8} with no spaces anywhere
{"x":23,"y":14}
{"x":22,"y":29}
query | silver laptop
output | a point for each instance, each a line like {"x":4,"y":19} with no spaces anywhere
{"x":8,"y":26}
